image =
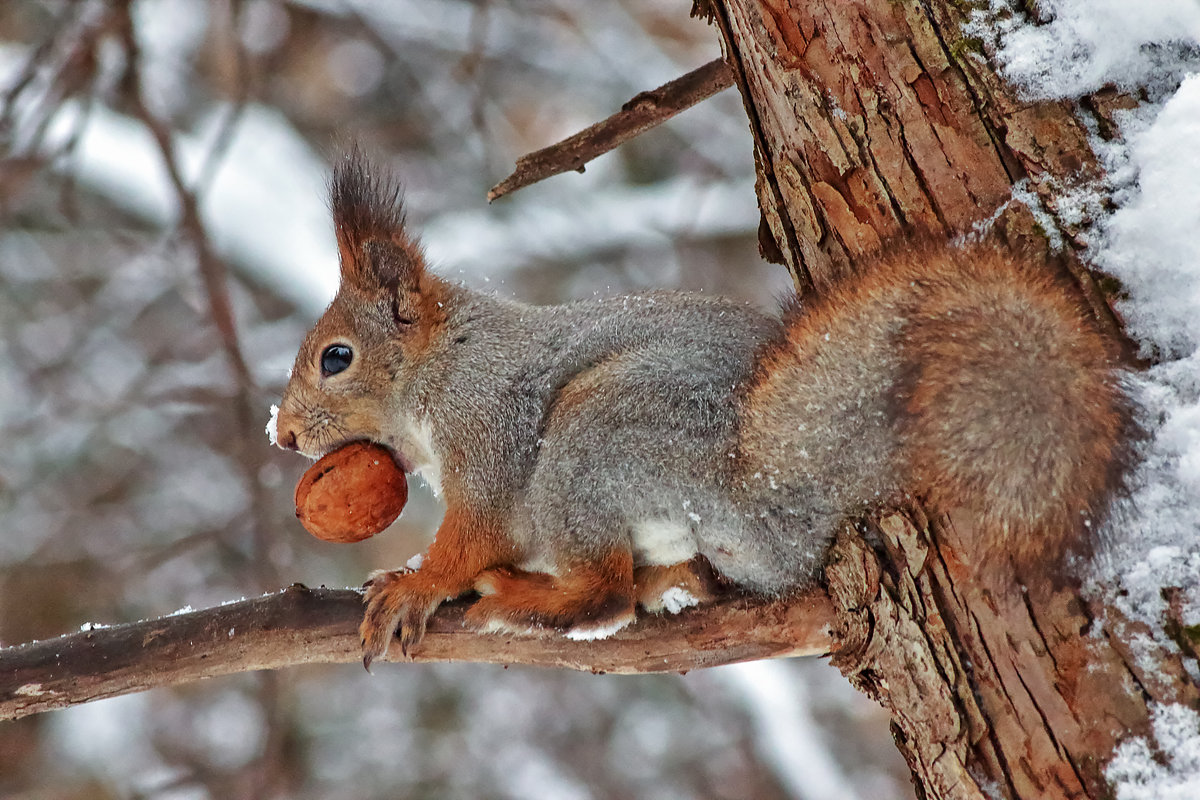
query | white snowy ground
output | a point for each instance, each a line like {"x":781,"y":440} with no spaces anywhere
{"x":1152,"y":244}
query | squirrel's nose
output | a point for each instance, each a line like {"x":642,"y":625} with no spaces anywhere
{"x":285,"y":431}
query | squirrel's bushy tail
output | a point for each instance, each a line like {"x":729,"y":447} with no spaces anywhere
{"x":1012,"y":406}
{"x":973,"y":380}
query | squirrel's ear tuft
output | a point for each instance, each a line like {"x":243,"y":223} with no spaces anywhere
{"x":376,"y":251}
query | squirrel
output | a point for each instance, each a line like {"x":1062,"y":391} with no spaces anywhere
{"x":592,"y":454}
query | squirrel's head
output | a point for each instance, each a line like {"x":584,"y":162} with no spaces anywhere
{"x":346,"y":378}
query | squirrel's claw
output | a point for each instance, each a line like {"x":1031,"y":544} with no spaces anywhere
{"x":412,"y":628}
{"x":394,"y":602}
{"x":378,"y":624}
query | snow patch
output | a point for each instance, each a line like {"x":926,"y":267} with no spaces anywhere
{"x":1168,"y":769}
{"x":1082,"y":45}
{"x":1151,"y":242}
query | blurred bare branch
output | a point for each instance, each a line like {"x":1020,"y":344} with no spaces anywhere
{"x":212,"y":268}
{"x":232,"y":115}
{"x":213,"y":272}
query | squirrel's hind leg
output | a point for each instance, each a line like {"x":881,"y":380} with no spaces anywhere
{"x":589,"y":599}
{"x":674,"y":587}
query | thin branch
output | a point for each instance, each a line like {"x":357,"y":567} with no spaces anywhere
{"x":306,"y":626}
{"x":212,"y":269}
{"x":639,"y":115}
{"x":244,"y":80}
{"x":214,"y":277}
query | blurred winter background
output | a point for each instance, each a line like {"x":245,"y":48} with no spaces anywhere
{"x":164,"y":244}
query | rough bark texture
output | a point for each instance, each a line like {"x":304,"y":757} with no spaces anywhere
{"x":1025,"y":694}
{"x":877,"y":120}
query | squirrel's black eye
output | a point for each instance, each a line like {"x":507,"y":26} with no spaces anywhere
{"x":335,"y":358}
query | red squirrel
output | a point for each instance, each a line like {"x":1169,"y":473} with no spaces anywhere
{"x":590,"y":454}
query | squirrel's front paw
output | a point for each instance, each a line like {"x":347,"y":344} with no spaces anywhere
{"x":396,"y":599}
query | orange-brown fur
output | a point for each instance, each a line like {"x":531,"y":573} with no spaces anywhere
{"x":593,"y":594}
{"x":696,"y":577}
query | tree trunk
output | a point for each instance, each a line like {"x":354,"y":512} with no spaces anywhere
{"x":875,"y":120}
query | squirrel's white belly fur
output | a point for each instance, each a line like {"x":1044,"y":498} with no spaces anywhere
{"x":663,"y":541}
{"x":419,"y":450}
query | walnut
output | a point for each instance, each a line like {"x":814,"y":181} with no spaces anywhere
{"x":352,"y":493}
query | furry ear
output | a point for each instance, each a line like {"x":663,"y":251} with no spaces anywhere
{"x":375,"y":250}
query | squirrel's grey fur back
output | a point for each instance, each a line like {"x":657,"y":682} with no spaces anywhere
{"x":602,"y":426}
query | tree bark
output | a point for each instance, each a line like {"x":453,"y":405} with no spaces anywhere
{"x":877,"y":120}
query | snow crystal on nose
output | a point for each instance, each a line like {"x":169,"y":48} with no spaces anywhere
{"x":273,"y":426}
